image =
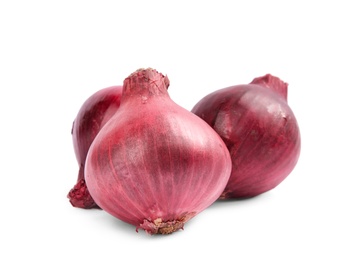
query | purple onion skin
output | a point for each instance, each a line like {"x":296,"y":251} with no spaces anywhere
{"x":92,"y":116}
{"x":155,"y":165}
{"x":259,"y":130}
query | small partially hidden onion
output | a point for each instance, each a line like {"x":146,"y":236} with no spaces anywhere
{"x":154,"y":164}
{"x":260,"y":131}
{"x":92,"y":116}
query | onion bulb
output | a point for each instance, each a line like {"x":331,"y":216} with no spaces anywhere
{"x":260,"y":131}
{"x":92,"y":116}
{"x":154,"y":164}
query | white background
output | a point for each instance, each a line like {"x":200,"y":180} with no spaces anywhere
{"x":55,"y":54}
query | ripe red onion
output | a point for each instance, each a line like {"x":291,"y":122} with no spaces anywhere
{"x":155,"y":165}
{"x":92,"y":116}
{"x":260,"y":131}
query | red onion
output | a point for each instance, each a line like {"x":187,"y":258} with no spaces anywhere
{"x":155,"y":165}
{"x":260,"y":131}
{"x":92,"y":116}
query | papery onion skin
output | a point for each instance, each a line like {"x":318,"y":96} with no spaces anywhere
{"x":260,"y":131}
{"x":92,"y":116}
{"x":155,"y":165}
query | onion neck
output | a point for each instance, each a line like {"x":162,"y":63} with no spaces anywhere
{"x":80,"y":197}
{"x":144,"y":84}
{"x":274,"y":83}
